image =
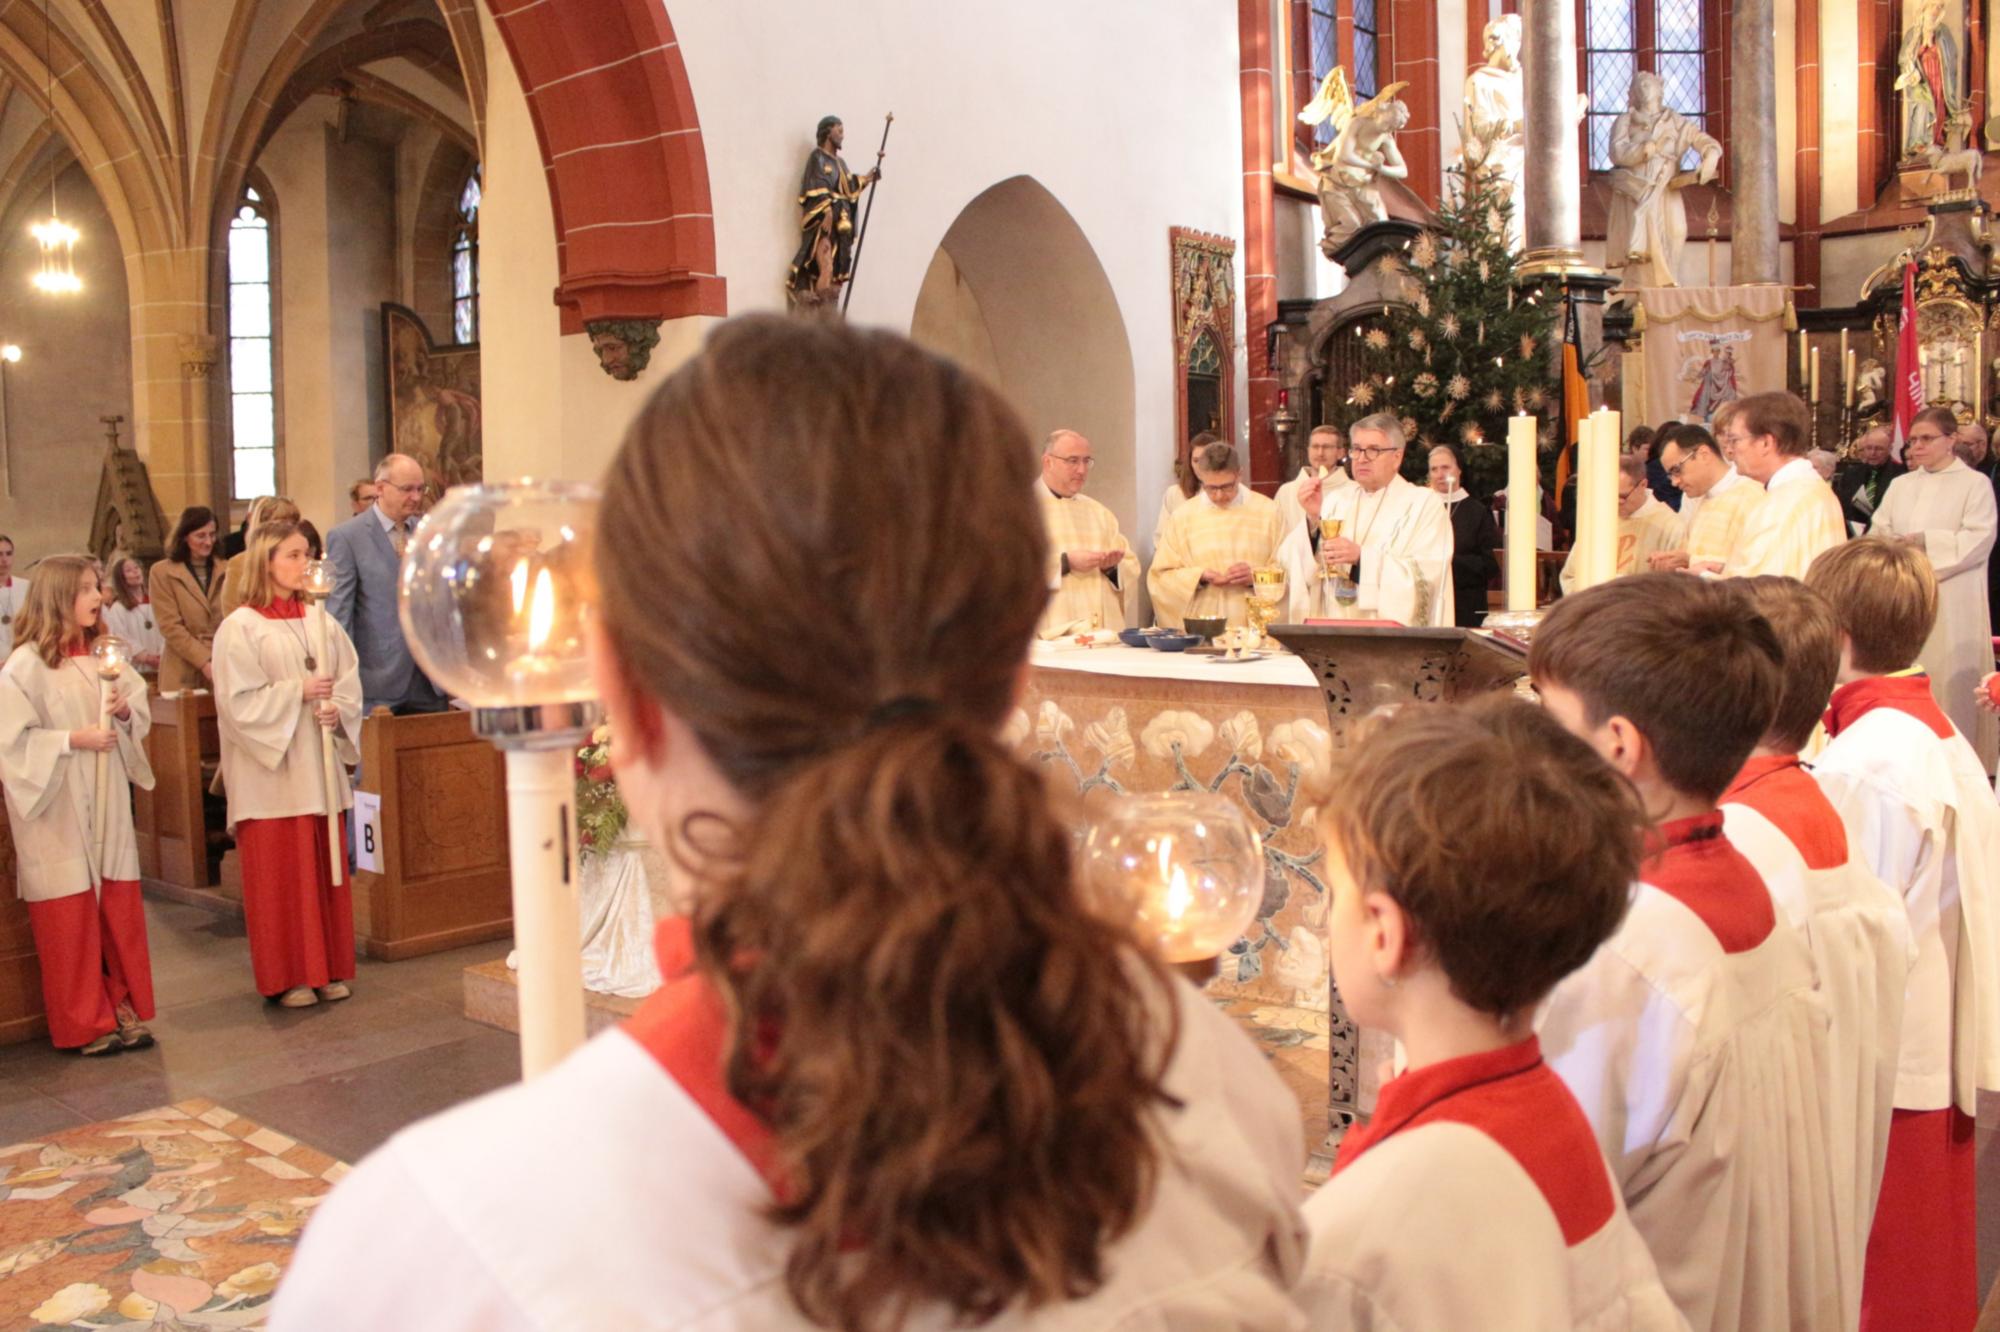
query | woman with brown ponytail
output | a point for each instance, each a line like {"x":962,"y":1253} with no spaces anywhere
{"x":899,"y":1075}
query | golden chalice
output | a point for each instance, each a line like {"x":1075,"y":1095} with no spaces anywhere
{"x":1267,"y":598}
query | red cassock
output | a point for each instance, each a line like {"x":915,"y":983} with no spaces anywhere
{"x":92,"y":949}
{"x":301,"y":926}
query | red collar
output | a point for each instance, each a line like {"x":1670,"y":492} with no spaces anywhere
{"x":1778,"y":787}
{"x":1685,"y":832}
{"x":76,"y":649}
{"x":1909,"y":694}
{"x":1404,"y":1098}
{"x":287,"y":608}
{"x":684,"y":1026}
{"x":1756,"y":770}
{"x":1692,"y":862}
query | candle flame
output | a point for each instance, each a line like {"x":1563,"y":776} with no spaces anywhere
{"x":542,"y":615}
{"x":1179,"y":896}
{"x":518,"y":580}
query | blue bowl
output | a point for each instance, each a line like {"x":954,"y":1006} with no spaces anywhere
{"x":1133,"y":637}
{"x":1175,"y":642}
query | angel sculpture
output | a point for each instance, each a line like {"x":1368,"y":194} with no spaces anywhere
{"x":1363,"y":151}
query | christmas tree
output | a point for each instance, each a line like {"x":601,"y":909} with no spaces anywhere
{"x":1465,"y":351}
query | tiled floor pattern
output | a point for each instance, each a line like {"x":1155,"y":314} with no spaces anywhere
{"x":180,"y":1216}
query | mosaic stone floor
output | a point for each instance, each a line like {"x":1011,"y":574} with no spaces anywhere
{"x":182,"y":1216}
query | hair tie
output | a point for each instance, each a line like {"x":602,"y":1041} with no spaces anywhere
{"x":908,"y":707}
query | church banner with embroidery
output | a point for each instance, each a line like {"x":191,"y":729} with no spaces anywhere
{"x":1704,"y":346}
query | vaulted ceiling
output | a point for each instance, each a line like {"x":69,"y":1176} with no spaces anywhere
{"x":167,"y":102}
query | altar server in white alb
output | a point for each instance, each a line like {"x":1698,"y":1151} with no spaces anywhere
{"x":1477,"y":1196}
{"x":128,"y":613}
{"x":82,"y":896}
{"x":1855,"y":925}
{"x":13,"y":596}
{"x":1768,"y":435}
{"x":273,"y":699}
{"x":1695,"y":1039}
{"x":1093,"y":574}
{"x":1946,"y":510}
{"x":1646,"y":527}
{"x":1212,"y":544}
{"x":900,"y":1073}
{"x":1922,"y":813}
{"x":1392,"y":559}
{"x":1326,"y":459}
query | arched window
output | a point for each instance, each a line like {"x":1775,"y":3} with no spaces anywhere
{"x":465,"y":263}
{"x":253,"y":401}
{"x":1671,"y":38}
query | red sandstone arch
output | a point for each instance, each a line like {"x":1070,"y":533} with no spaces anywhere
{"x":614,"y":115}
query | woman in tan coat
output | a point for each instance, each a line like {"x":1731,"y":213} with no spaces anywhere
{"x":186,"y":589}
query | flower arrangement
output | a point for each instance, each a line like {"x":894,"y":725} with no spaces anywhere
{"x":600,"y":811}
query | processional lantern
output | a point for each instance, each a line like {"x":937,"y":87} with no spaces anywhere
{"x":1183,"y":869}
{"x":497,"y":594}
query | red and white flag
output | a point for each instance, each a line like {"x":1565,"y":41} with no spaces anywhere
{"x":1909,"y":370}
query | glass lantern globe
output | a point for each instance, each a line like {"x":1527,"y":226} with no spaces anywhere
{"x":1183,"y":869}
{"x":497,"y":591}
{"x":112,"y":654}
{"x":319,"y":579}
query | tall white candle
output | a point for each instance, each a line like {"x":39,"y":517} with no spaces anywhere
{"x":1597,"y":499}
{"x":1847,"y":376}
{"x":1812,"y":381}
{"x":1521,"y":506}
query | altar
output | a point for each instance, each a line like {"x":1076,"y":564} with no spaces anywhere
{"x":1119,"y":720}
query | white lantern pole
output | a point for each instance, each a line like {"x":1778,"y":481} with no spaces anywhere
{"x":110,"y":654}
{"x":318,"y":587}
{"x":497,"y":592}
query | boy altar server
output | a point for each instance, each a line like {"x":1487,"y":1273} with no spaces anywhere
{"x":1392,"y":559}
{"x":1093,"y":574}
{"x":1856,"y":927}
{"x":1477,"y":1196}
{"x":1693,"y":1038}
{"x":1922,"y":814}
{"x":1211,"y":544}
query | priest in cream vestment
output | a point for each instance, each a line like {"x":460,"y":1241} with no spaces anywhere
{"x":1945,"y":509}
{"x":1715,"y":498}
{"x":1093,"y":574}
{"x":1394,"y":548}
{"x":1769,"y":435}
{"x":1326,"y":451}
{"x":1646,"y":527}
{"x":1210,"y":546}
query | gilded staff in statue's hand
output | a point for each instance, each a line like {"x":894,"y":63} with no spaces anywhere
{"x":828,"y":240}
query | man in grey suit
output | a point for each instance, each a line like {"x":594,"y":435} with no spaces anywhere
{"x":367,"y":552}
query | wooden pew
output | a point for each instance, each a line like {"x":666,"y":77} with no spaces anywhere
{"x":21,"y":1012}
{"x":172,"y":821}
{"x":444,"y":880}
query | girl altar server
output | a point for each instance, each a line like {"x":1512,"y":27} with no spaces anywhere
{"x":1477,"y":1196}
{"x":83,"y":898}
{"x":1920,"y":810}
{"x":128,"y":613}
{"x":901,"y":1073}
{"x":273,"y":698}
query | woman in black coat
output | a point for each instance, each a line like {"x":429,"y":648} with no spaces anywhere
{"x":1474,"y":534}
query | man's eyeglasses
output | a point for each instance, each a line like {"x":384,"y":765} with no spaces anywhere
{"x":1735,"y":439}
{"x":1372,"y":454}
{"x":417,"y":489}
{"x":1084,"y":462}
{"x":1220,"y":492}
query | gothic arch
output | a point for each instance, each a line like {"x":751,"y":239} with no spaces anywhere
{"x":614,"y":116}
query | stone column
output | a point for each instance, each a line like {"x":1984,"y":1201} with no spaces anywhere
{"x":1753,"y":143}
{"x":1552,"y":187}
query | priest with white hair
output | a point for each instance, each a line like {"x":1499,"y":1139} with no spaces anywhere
{"x":1093,"y":574}
{"x":1392,"y":557}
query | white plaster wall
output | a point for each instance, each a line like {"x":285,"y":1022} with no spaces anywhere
{"x":1785,"y":15}
{"x":1454,"y":59}
{"x":337,"y":229}
{"x":1839,"y":113}
{"x":76,"y":365}
{"x":1845,"y":262}
{"x":1126,"y":111}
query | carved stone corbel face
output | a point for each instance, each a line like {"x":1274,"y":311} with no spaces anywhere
{"x":624,"y":347}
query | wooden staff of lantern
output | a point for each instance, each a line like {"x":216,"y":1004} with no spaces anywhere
{"x":110,"y":652}
{"x":318,"y":587}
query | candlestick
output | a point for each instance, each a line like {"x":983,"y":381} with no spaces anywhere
{"x":1847,"y":376}
{"x":329,"y":762}
{"x":110,"y":653}
{"x":1520,"y":543}
{"x":1979,"y":376}
{"x":1802,"y":356}
{"x":1812,"y":380}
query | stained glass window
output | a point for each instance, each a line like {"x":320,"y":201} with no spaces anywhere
{"x":253,"y":403}
{"x":1367,"y":48}
{"x":465,"y":264}
{"x":1322,"y":32}
{"x":1623,"y":37}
